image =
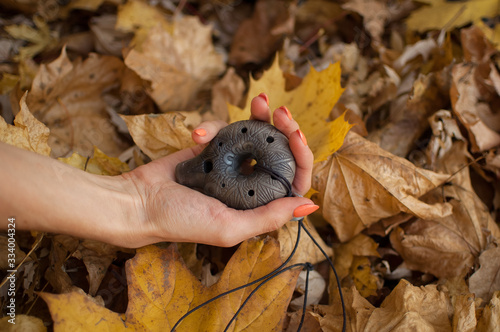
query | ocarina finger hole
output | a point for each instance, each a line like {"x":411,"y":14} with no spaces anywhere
{"x":208,"y":166}
{"x":269,"y":139}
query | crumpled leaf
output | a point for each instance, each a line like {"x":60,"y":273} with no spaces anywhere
{"x":375,"y":14}
{"x":66,"y":96}
{"x":409,"y":308}
{"x":306,"y":250}
{"x":228,"y":90}
{"x":360,"y":245}
{"x":179,"y":64}
{"x":99,"y":163}
{"x":27,"y":133}
{"x":486,"y":280}
{"x":490,"y":318}
{"x":440,"y":13}
{"x":361,"y":184}
{"x":310,"y":104}
{"x":159,"y":135}
{"x":161,"y":289}
{"x":316,"y":287}
{"x":364,"y":280}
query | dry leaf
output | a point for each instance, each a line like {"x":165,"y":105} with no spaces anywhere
{"x":316,"y":287}
{"x":306,"y":250}
{"x":440,"y":13}
{"x":159,"y":135}
{"x":490,"y":319}
{"x":360,"y":245}
{"x":259,"y":37}
{"x":468,"y":104}
{"x":410,"y":308}
{"x":310,"y":104}
{"x":486,"y":281}
{"x":23,"y":323}
{"x":157,"y":299}
{"x":66,"y":97}
{"x":179,"y":64}
{"x":361,"y":184}
{"x":99,"y":163}
{"x":364,"y":280}
{"x":358,"y":311}
{"x":229,"y":90}
{"x":27,"y":133}
{"x":375,"y":14}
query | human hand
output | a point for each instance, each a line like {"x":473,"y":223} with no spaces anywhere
{"x":168,"y":211}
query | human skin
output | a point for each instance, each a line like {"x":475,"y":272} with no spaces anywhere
{"x":145,"y":205}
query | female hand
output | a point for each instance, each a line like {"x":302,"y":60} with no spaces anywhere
{"x":169,"y":211}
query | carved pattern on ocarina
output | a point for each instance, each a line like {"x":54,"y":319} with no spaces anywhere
{"x":217,"y":170}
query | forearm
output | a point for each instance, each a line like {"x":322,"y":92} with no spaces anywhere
{"x":47,"y":195}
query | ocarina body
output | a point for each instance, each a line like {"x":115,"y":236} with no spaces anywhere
{"x":217,"y":170}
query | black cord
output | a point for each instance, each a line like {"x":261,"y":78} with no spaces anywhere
{"x":344,"y":318}
{"x":270,"y":274}
{"x":280,"y":269}
{"x":257,"y":288}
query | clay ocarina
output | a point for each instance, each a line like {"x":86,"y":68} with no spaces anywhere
{"x":224,"y":169}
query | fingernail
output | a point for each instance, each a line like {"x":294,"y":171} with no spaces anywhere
{"x":304,"y":210}
{"x":287,"y":112}
{"x":200,"y":132}
{"x":265,"y":97}
{"x":302,"y":137}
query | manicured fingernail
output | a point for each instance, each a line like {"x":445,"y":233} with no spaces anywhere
{"x":265,"y":97}
{"x":302,"y":137}
{"x":287,"y":112}
{"x":304,"y":210}
{"x":200,"y":132}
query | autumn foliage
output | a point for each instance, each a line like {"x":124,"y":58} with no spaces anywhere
{"x":399,"y":102}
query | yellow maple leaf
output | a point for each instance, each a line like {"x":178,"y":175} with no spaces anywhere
{"x":310,"y":104}
{"x":162,"y":289}
{"x":439,"y":13}
{"x":99,"y":164}
{"x":27,"y":133}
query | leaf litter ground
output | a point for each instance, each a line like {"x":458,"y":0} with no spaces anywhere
{"x":409,"y":198}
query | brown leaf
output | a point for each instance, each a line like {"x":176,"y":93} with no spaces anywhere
{"x":229,"y":90}
{"x":469,"y":106}
{"x":358,"y":312}
{"x":159,"y":135}
{"x":179,"y":64}
{"x":22,"y":323}
{"x":66,"y":97}
{"x":485,"y":281}
{"x":27,"y":133}
{"x":360,"y":245}
{"x":410,"y":308}
{"x":361,"y":184}
{"x":259,"y":37}
{"x":490,"y":319}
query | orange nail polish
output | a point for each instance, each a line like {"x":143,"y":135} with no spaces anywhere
{"x":200,"y":132}
{"x":265,"y":97}
{"x":287,"y":112}
{"x":302,"y":137}
{"x":304,"y":210}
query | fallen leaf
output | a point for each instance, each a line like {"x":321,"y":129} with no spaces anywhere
{"x":159,"y":135}
{"x":375,"y":14}
{"x":467,"y":102}
{"x":358,"y":311}
{"x":490,"y":318}
{"x":258,"y":37}
{"x":486,"y":280}
{"x":360,"y":245}
{"x":361,"y":184}
{"x":316,"y":287}
{"x":40,"y":37}
{"x":364,"y":280}
{"x":310,"y":104}
{"x":157,"y":299}
{"x":70,"y":93}
{"x":441,"y":13}
{"x":306,"y":250}
{"x":409,"y":308}
{"x":99,"y":163}
{"x":22,"y":323}
{"x":228,"y":90}
{"x":179,"y":64}
{"x":27,"y":133}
